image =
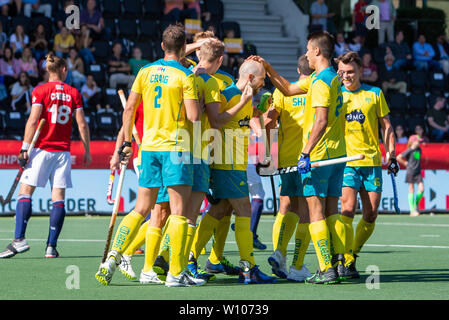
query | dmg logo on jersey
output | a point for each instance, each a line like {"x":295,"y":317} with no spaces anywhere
{"x":356,"y":115}
{"x":324,"y":251}
{"x":244,"y":122}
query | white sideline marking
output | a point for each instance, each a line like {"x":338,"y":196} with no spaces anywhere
{"x":233,"y":242}
{"x":429,"y":235}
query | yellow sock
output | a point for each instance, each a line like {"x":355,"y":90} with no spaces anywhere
{"x":337,"y":232}
{"x":203,"y":234}
{"x":320,"y":236}
{"x":126,"y":231}
{"x":285,"y":229}
{"x":220,"y":235}
{"x":349,"y":238}
{"x":165,"y":244}
{"x":362,"y":233}
{"x":244,"y":239}
{"x":139,"y":239}
{"x":276,"y":229}
{"x":191,"y":229}
{"x":177,"y":231}
{"x":302,"y":240}
{"x":153,"y":242}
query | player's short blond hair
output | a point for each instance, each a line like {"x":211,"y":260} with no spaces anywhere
{"x":212,"y":50}
{"x":204,"y":35}
{"x":349,"y":57}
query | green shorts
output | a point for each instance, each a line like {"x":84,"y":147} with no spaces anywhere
{"x":165,"y":169}
{"x":291,"y":185}
{"x":367,"y":178}
{"x":228,"y":184}
{"x":324,"y":181}
{"x":201,"y":176}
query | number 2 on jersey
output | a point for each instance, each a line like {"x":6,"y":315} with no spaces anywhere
{"x":339,"y":105}
{"x":158,"y":89}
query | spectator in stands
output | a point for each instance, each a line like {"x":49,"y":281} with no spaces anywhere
{"x":341,"y":47}
{"x":423,"y":54}
{"x":3,"y":39}
{"x":12,"y":7}
{"x":76,"y":69}
{"x":357,"y":46}
{"x":39,"y":42}
{"x":45,"y":78}
{"x":438,"y":120}
{"x":419,"y":131}
{"x":320,"y":13}
{"x":369,"y":70}
{"x":91,"y":94}
{"x":61,"y":16}
{"x":9,"y":68}
{"x":194,"y":4}
{"x":401,"y":51}
{"x":400,"y":134}
{"x":358,"y":20}
{"x":64,"y":40}
{"x":18,"y":39}
{"x":136,"y":62}
{"x":389,"y":76}
{"x":84,"y":46}
{"x":441,"y":49}
{"x":93,"y":18}
{"x":29,"y":65}
{"x":387,"y":17}
{"x":21,"y":94}
{"x":174,"y":11}
{"x":119,"y":68}
{"x":36,"y":6}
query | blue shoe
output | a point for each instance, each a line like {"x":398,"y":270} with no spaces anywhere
{"x":253,"y":275}
{"x":195,"y":271}
{"x":258,"y":245}
{"x":233,"y":227}
{"x":224,"y":266}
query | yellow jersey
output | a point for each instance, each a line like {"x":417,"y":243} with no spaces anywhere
{"x":324,"y":90}
{"x":291,"y":121}
{"x":234,"y":134}
{"x":224,"y":79}
{"x":164,"y":85}
{"x":208,"y":90}
{"x":364,"y":107}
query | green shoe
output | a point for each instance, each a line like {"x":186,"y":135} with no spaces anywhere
{"x":329,"y":276}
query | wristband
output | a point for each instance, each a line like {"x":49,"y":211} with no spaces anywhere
{"x":127,"y":144}
{"x":305,"y":155}
{"x":25,"y":146}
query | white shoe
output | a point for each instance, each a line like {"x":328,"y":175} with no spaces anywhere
{"x":298,"y":275}
{"x":149,"y":277}
{"x":14,"y":248}
{"x":51,"y":252}
{"x":126,"y":268}
{"x":278,"y":264}
{"x":107,"y":269}
{"x":183,"y":280}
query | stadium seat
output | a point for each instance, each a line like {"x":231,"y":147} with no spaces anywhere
{"x":6,"y":23}
{"x":413,"y":121}
{"x":147,"y":49}
{"x":397,"y":120}
{"x":153,"y":8}
{"x":98,"y":73}
{"x":26,"y":22}
{"x":133,"y":8}
{"x":215,"y":7}
{"x":2,"y":126}
{"x":111,"y":97}
{"x":149,"y":30}
{"x":112,"y":9}
{"x":111,"y":24}
{"x":230,"y":25}
{"x":437,"y":83}
{"x":418,"y":81}
{"x":102,"y":50}
{"x":379,"y":55}
{"x":15,"y":125}
{"x":398,"y":103}
{"x":418,"y":104}
{"x":128,"y":28}
{"x":107,"y":125}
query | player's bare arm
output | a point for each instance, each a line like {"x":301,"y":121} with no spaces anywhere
{"x":390,"y":143}
{"x":288,"y":89}
{"x":193,"y":109}
{"x":128,"y":122}
{"x":318,"y":129}
{"x":115,"y":162}
{"x":218,"y":120}
{"x":83,"y":128}
{"x":30,"y":128}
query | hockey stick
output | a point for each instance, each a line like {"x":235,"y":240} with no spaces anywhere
{"x":395,"y":194}
{"x":114,"y":210}
{"x":21,"y":169}
{"x":317,"y":164}
{"x":121,"y":94}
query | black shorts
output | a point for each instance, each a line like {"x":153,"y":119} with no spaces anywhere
{"x":413,"y":178}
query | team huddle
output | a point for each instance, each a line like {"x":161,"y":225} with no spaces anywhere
{"x":186,"y":114}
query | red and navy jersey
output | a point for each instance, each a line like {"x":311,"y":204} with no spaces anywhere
{"x":138,"y":120}
{"x":58,"y":102}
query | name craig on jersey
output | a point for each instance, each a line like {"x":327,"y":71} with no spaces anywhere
{"x":159,"y":78}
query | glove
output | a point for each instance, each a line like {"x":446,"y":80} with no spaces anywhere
{"x":263,"y":104}
{"x":393,"y":166}
{"x":304,"y":163}
{"x":122,"y":155}
{"x":22,"y":160}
